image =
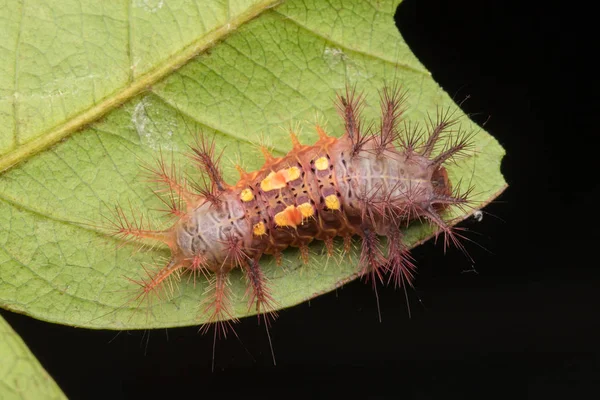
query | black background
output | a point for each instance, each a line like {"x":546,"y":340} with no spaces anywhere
{"x":525,"y":324}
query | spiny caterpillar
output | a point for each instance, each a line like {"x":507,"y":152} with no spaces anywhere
{"x":370,"y":182}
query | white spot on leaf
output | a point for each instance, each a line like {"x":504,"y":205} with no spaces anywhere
{"x":149,"y":5}
{"x":153,"y":131}
{"x":354,"y":73}
{"x":333,"y":56}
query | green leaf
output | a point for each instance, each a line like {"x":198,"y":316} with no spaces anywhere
{"x":21,"y":374}
{"x":268,"y":74}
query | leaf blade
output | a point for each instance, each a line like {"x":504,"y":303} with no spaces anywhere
{"x":21,"y":374}
{"x":271,"y":73}
{"x":47,"y":129}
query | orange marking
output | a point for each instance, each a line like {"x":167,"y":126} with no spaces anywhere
{"x":240,"y":170}
{"x":273,"y":181}
{"x":321,"y":132}
{"x":266,"y":154}
{"x":278,"y":180}
{"x":291,"y":216}
{"x":295,"y":141}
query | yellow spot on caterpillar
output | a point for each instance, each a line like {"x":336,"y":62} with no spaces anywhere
{"x":281,"y":219}
{"x":291,"y":174}
{"x":306,"y":209}
{"x":291,"y":216}
{"x":322,"y":163}
{"x":332,"y":202}
{"x":278,"y":180}
{"x":259,"y":229}
{"x":247,"y":195}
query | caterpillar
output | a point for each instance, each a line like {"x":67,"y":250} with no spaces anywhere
{"x":369,"y":183}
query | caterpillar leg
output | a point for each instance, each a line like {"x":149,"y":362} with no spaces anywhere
{"x":257,"y":289}
{"x":217,"y":305}
{"x":304,"y":253}
{"x":372,"y":262}
{"x":156,"y":283}
{"x":400,"y":263}
{"x":258,"y":293}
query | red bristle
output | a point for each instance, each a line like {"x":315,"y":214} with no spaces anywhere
{"x":392,"y":103}
{"x":350,"y":108}
{"x":204,"y":154}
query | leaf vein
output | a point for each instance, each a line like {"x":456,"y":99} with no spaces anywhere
{"x":343,"y":46}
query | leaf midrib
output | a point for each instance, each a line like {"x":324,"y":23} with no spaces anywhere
{"x":93,"y":113}
{"x":209,"y":40}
